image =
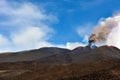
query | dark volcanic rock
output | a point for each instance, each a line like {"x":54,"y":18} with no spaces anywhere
{"x":81,"y":63}
{"x":31,"y":55}
{"x":82,"y":55}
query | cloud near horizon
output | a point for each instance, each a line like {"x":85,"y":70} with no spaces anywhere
{"x":84,"y":32}
{"x":31,"y":30}
{"x":30,"y":27}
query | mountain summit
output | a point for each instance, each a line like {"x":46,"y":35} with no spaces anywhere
{"x":53,"y":63}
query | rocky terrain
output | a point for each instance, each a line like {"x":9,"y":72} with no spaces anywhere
{"x":82,"y":63}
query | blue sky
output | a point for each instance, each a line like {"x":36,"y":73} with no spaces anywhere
{"x":29,"y":24}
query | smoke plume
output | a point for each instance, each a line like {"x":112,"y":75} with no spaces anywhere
{"x":107,"y":32}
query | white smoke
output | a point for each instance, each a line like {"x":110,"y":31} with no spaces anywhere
{"x":107,"y":32}
{"x":113,"y":38}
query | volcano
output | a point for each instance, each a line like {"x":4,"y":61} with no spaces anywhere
{"x":51,"y":63}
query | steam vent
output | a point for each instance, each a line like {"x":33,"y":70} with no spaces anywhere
{"x":92,"y":41}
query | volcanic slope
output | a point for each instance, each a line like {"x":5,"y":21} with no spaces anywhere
{"x":82,"y":63}
{"x":31,"y":55}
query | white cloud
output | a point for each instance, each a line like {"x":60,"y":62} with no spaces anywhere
{"x":114,"y":37}
{"x":84,"y":30}
{"x":85,"y":39}
{"x":31,"y":26}
{"x":23,"y":14}
{"x":4,"y":41}
{"x":73,"y":45}
{"x":31,"y":37}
